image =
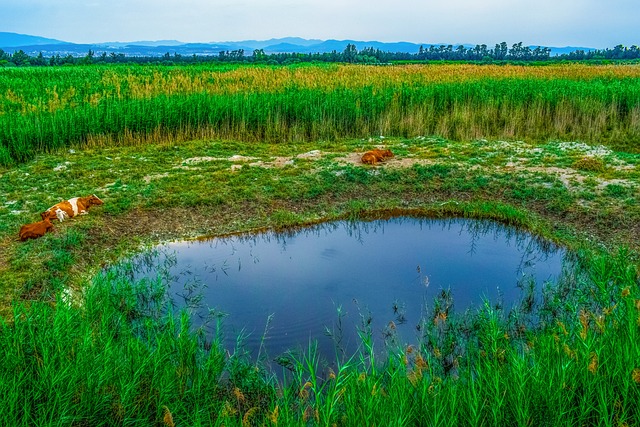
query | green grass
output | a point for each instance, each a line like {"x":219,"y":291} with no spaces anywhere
{"x":127,"y":105}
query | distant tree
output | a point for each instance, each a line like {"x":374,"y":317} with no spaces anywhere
{"x":39,"y":60}
{"x":519,"y":52}
{"x":88,"y":58}
{"x":350,"y":52}
{"x":4,"y":58}
{"x":20,"y":58}
{"x":577,"y":55}
{"x":447,"y":52}
{"x":68,"y":59}
{"x":258,"y":55}
{"x":236,"y":55}
{"x":478,"y":52}
{"x":500,"y":51}
{"x":540,"y":53}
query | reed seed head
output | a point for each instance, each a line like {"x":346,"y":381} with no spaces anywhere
{"x":238,"y":394}
{"x":168,"y":418}
{"x":420,"y":362}
{"x":332,"y":375}
{"x":248,"y":415}
{"x":607,"y":311}
{"x":563,"y":328}
{"x":593,"y":364}
{"x":273,"y":415}
{"x":568,"y":351}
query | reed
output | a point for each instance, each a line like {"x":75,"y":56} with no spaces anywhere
{"x":47,"y":109}
{"x":121,"y":356}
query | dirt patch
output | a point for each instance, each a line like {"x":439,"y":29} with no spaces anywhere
{"x":407,"y":162}
{"x":203,"y":159}
{"x":351,"y":158}
{"x":313,"y":154}
{"x":278,"y":162}
{"x":570,"y":177}
{"x":238,"y":158}
{"x":186,"y":163}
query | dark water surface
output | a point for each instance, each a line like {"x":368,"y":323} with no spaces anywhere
{"x":343,"y":276}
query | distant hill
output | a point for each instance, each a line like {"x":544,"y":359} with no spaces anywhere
{"x":143,"y":43}
{"x":568,"y":49}
{"x":33,"y":45}
{"x":9,"y":40}
{"x":262,"y":44}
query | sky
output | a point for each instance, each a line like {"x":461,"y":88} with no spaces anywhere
{"x":583,"y":23}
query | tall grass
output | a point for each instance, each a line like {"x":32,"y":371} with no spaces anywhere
{"x":45,"y":109}
{"x":120,"y":356}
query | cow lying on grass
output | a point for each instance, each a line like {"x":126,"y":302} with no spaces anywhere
{"x":72,"y":207}
{"x":36,"y":229}
{"x":374,"y":156}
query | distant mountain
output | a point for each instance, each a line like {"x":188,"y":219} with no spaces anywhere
{"x":9,"y":40}
{"x":286,"y":48}
{"x":33,"y":45}
{"x":262,"y":44}
{"x":567,"y":49}
{"x":143,"y":43}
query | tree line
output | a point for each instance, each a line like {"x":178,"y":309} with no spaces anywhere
{"x":368,"y":55}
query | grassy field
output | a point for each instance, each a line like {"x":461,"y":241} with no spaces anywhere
{"x":45,"y":109}
{"x":83,"y":346}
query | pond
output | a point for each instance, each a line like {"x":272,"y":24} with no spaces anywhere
{"x":333,"y":282}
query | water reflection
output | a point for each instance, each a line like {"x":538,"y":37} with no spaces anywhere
{"x":337,"y":281}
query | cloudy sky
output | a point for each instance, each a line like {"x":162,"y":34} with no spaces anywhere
{"x":588,"y":23}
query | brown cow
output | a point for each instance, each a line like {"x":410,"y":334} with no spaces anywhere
{"x":374,"y":156}
{"x":35,"y":229}
{"x":72,"y":207}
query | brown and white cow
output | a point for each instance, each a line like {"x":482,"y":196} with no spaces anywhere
{"x":35,"y":229}
{"x":72,"y":207}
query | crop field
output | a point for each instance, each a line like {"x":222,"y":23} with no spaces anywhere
{"x":183,"y":152}
{"x":45,"y":109}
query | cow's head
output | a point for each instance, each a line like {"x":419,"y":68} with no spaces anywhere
{"x":387,"y":153}
{"x":47,"y":223}
{"x":47,"y":215}
{"x":94,"y":200}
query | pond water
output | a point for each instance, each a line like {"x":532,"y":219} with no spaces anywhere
{"x":280,"y":291}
